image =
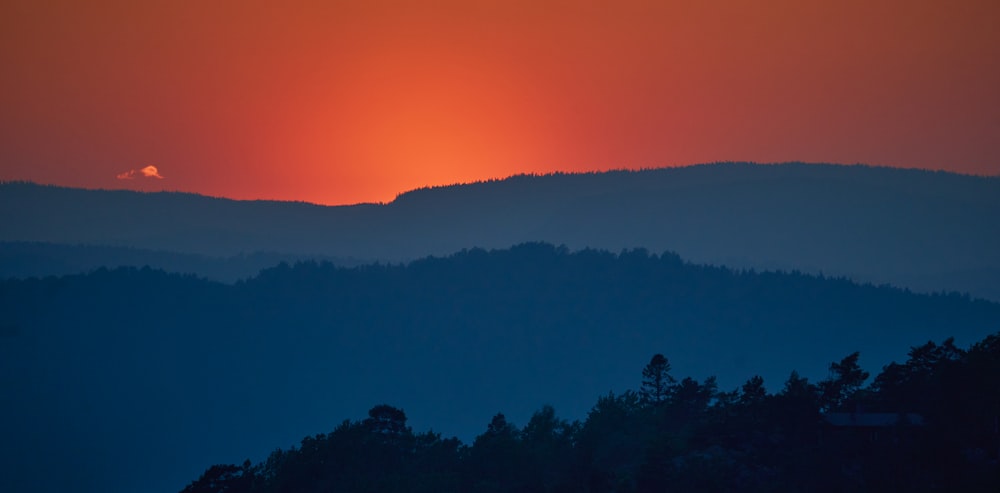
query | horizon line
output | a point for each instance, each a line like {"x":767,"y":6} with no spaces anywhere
{"x":492,"y":180}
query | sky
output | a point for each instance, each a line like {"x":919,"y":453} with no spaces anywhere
{"x":347,"y":102}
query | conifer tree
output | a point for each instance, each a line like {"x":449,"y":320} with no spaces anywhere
{"x":656,"y":380}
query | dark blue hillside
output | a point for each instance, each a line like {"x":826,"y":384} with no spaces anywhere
{"x":927,"y":231}
{"x":134,"y":373}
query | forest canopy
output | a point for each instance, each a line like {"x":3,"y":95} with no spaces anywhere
{"x":928,"y":424}
{"x":149,"y":371}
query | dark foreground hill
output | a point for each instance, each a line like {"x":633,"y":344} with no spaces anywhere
{"x":126,"y":380}
{"x":926,"y":425}
{"x":928,"y":231}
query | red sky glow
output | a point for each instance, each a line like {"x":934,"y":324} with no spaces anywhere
{"x":346,"y":102}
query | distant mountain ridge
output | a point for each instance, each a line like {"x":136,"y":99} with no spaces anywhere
{"x":22,"y":260}
{"x":928,"y":231}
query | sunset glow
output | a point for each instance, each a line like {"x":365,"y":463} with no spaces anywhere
{"x":345,"y":102}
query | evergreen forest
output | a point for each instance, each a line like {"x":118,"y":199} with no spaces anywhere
{"x":927,"y":424}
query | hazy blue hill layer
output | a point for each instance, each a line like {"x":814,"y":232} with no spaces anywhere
{"x":34,"y":259}
{"x":925,"y":230}
{"x":130,"y":378}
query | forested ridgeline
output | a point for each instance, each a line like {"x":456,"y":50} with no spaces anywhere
{"x":924,"y":230}
{"x":149,"y":372}
{"x":928,"y":424}
{"x":535,"y":298}
{"x":22,"y":260}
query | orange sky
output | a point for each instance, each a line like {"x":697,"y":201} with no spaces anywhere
{"x":343,"y":102}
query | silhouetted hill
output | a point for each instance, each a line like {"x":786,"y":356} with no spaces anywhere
{"x":927,"y":424}
{"x":143,"y":377}
{"x":925,"y":230}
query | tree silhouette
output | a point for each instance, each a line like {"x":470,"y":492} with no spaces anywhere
{"x":753,"y":391}
{"x":656,"y":380}
{"x":697,"y":440}
{"x":386,"y":419}
{"x":845,"y":380}
{"x":611,"y":441}
{"x":224,"y":478}
{"x":692,"y":398}
{"x":497,"y":460}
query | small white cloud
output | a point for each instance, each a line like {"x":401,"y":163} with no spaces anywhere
{"x":151,"y":172}
{"x":147,"y":172}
